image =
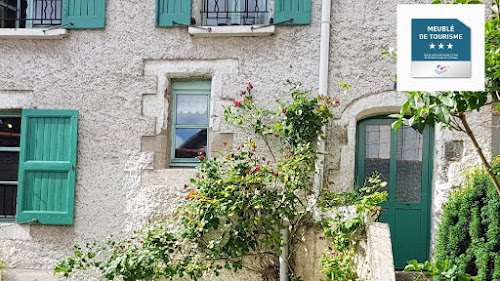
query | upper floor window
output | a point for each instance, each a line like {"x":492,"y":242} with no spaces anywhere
{"x":178,"y":13}
{"x":30,"y":13}
{"x":234,"y":12}
{"x":45,"y":13}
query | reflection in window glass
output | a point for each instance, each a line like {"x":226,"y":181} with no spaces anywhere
{"x":189,"y":143}
{"x":10,"y":131}
{"x":378,"y":152}
{"x":192,"y":109}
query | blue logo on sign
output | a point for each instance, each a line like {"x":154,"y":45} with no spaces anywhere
{"x":440,"y":40}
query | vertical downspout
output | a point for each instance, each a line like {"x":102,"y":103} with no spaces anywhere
{"x":324,"y":52}
{"x":324,"y":60}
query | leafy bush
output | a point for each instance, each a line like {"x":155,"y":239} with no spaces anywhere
{"x":469,"y":233}
{"x":346,"y":230}
{"x":445,"y":271}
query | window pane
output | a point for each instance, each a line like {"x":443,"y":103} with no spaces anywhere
{"x":409,"y":165}
{"x":190,"y":142}
{"x":9,"y":165}
{"x":10,"y":131}
{"x":192,"y":110}
{"x":378,"y":152}
{"x":8,"y":195}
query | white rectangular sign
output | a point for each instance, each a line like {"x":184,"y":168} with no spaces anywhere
{"x":440,"y":47}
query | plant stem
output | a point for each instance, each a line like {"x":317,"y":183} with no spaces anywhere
{"x":469,"y":133}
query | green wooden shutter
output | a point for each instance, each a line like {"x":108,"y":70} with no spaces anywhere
{"x":169,"y":12}
{"x":80,"y":14}
{"x":298,"y":10}
{"x":47,"y":164}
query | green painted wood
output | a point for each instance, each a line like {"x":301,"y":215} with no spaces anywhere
{"x":409,"y":221}
{"x":84,"y":14}
{"x":297,"y":10}
{"x":47,"y":166}
{"x":171,"y":13}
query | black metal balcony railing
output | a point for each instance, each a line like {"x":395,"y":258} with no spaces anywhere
{"x":30,"y":13}
{"x":234,"y":12}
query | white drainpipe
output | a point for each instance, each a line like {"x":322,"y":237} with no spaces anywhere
{"x":324,"y":52}
{"x":323,"y":89}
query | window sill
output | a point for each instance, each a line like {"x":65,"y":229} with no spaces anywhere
{"x":231,"y":30}
{"x":32,"y":33}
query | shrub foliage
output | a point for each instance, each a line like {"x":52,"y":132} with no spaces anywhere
{"x":469,"y":234}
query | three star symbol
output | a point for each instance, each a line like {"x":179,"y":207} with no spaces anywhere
{"x":440,"y":46}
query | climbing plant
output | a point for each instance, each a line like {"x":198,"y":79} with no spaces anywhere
{"x":240,"y":202}
{"x":347,"y":226}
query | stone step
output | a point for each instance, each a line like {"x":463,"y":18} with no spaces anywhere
{"x":409,"y":276}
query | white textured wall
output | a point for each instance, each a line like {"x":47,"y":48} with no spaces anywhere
{"x":102,"y":73}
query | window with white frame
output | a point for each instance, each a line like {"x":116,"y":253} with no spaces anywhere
{"x":30,"y":13}
{"x":234,"y":12}
{"x":190,"y":119}
{"x":10,"y":134}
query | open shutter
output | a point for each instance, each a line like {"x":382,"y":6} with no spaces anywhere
{"x":80,"y":14}
{"x":47,"y":164}
{"x":170,"y":12}
{"x":297,"y":10}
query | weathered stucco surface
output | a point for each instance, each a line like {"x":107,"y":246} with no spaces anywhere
{"x":118,"y":79}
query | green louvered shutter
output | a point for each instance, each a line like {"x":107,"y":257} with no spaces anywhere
{"x":298,"y":10}
{"x":47,"y":165}
{"x":169,"y":12}
{"x":81,"y":14}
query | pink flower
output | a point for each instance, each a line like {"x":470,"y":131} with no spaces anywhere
{"x":249,"y":85}
{"x":237,"y":103}
{"x":257,"y":169}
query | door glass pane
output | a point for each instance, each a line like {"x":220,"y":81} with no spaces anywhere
{"x":189,"y":143}
{"x":192,"y":110}
{"x":9,"y":165}
{"x":378,"y":152}
{"x":409,"y":165}
{"x":10,"y":131}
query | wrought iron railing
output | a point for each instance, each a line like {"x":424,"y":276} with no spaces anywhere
{"x":30,"y":13}
{"x":234,"y":12}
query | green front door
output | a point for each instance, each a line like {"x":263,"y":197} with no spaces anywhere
{"x":404,"y":160}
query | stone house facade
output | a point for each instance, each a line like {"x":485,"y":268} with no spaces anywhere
{"x":119,"y":70}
